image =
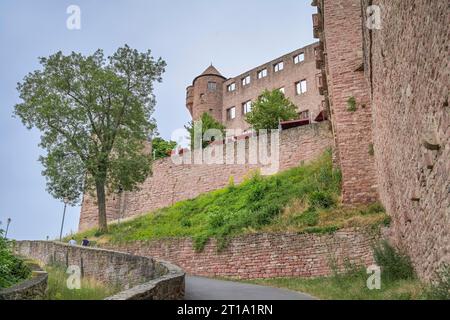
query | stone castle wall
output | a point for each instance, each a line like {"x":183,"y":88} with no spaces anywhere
{"x":171,"y":182}
{"x":407,"y":68}
{"x":338,"y":25}
{"x":263,"y":255}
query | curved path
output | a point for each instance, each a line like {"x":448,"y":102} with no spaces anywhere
{"x":198,"y":288}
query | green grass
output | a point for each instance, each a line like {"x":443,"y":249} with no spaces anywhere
{"x":90,"y":289}
{"x":302,"y":199}
{"x":349,"y":288}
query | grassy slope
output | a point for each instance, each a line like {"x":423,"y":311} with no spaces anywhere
{"x":303,"y":199}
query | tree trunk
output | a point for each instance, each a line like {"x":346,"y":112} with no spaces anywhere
{"x":101,"y":201}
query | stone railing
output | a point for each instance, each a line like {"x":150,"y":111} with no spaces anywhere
{"x":31,"y":289}
{"x":138,"y":277}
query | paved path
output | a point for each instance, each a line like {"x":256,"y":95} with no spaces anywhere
{"x":198,"y":288}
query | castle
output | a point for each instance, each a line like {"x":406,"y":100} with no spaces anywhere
{"x":228,"y":100}
{"x":385,"y":91}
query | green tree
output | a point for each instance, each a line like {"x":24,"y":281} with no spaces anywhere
{"x":270,"y":108}
{"x":207,"y":123}
{"x":94,"y":114}
{"x":162,"y":148}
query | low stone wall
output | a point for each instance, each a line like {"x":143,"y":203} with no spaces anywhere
{"x":31,"y":289}
{"x":263,"y":255}
{"x":129,"y":272}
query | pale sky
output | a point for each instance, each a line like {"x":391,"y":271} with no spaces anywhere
{"x":235,"y":35}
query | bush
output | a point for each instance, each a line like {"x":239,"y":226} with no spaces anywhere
{"x":395,"y":265}
{"x":12,"y":269}
{"x":440,"y":286}
{"x":321,"y":200}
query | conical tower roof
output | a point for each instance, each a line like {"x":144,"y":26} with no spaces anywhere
{"x":210,"y":71}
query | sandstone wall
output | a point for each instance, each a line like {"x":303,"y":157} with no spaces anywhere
{"x":263,"y":255}
{"x":338,"y":25}
{"x":140,"y":277}
{"x":407,"y":67}
{"x":172,"y":182}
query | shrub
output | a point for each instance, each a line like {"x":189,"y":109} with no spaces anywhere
{"x":321,"y":200}
{"x":395,"y":265}
{"x":351,"y":104}
{"x":440,"y":286}
{"x":12,"y":269}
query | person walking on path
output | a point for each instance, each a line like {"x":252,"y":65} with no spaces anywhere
{"x":72,"y":242}
{"x":85,"y":242}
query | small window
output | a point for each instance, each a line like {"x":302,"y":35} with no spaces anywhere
{"x":247,"y":107}
{"x":278,"y":66}
{"x":304,"y":115}
{"x":212,"y":86}
{"x":262,"y":73}
{"x":231,"y":87}
{"x":231,"y":113}
{"x":300,"y":87}
{"x":202,"y":96}
{"x":246,"y":81}
{"x":299,"y":58}
{"x":282,"y":90}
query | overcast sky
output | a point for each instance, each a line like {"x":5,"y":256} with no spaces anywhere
{"x":235,"y":35}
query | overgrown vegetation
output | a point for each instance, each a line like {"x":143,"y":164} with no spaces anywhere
{"x":395,"y":264}
{"x":398,"y":280}
{"x":89,"y":290}
{"x":351,"y":104}
{"x":12,"y":268}
{"x":303,"y":199}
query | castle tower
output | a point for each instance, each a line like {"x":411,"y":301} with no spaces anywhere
{"x":206,"y":94}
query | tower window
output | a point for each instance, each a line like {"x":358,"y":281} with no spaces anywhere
{"x":278,"y":66}
{"x":300,"y":87}
{"x":299,"y":58}
{"x":262,"y":73}
{"x":247,"y":107}
{"x":246,"y":80}
{"x":231,"y":113}
{"x":231,"y":87}
{"x":212,"y":86}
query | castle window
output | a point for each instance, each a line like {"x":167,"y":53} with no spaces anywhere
{"x":278,"y":66}
{"x":300,"y":87}
{"x":304,"y":115}
{"x":231,"y":113}
{"x":246,"y":80}
{"x":212,"y":86}
{"x":262,"y":73}
{"x":231,"y":87}
{"x":299,"y":58}
{"x":247,"y":107}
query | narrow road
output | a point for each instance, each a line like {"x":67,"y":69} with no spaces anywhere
{"x":198,"y":288}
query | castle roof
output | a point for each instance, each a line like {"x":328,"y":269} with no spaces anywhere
{"x":210,"y":71}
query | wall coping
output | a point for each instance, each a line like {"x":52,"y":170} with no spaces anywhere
{"x":39,"y":278}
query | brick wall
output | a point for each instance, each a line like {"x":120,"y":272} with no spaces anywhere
{"x":263,"y":255}
{"x":407,"y":68}
{"x":171,"y":182}
{"x":339,"y":28}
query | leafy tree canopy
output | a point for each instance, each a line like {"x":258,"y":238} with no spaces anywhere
{"x":162,"y":148}
{"x":94,"y":113}
{"x":270,"y":108}
{"x":207,"y":122}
